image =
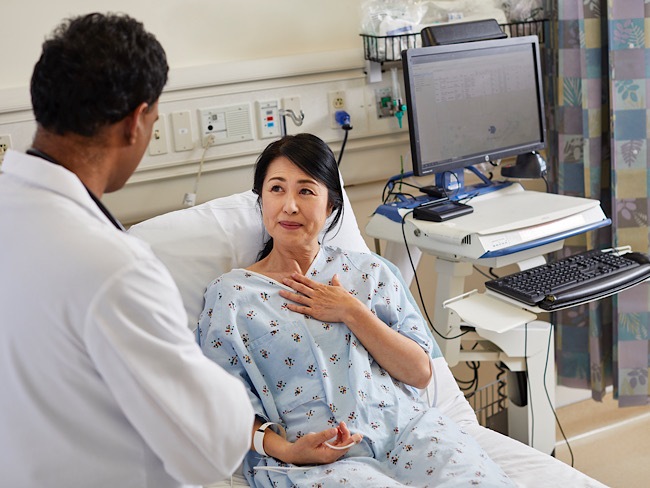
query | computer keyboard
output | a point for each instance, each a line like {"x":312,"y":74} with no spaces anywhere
{"x":575,"y":279}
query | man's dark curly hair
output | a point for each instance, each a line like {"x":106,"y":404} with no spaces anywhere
{"x":94,"y":71}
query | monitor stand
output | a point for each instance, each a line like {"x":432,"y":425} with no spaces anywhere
{"x":453,"y":183}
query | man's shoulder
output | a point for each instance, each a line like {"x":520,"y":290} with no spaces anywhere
{"x":107,"y":251}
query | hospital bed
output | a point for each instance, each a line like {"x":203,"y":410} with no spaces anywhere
{"x":198,"y":244}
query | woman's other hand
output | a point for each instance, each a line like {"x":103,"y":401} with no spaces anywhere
{"x":321,"y":447}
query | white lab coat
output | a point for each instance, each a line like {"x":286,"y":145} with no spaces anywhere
{"x":102,"y":383}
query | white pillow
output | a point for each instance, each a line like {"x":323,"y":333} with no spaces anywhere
{"x":198,"y":244}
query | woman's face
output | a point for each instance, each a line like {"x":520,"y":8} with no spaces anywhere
{"x":294,"y":205}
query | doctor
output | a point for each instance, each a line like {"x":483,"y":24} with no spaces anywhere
{"x":102,"y":382}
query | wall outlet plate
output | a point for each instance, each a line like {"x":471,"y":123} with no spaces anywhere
{"x":268,"y":118}
{"x":227,"y":124}
{"x":292,"y":103}
{"x":336,"y":100}
{"x":5,"y":143}
{"x":182,"y":130}
{"x":158,"y":142}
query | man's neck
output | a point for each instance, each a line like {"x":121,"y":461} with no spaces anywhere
{"x":76,"y":154}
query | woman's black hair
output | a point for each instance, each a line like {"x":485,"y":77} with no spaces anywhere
{"x":314,"y":157}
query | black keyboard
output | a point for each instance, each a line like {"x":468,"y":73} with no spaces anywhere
{"x":575,"y":279}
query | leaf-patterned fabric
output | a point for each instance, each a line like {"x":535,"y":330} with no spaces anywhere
{"x":599,"y":81}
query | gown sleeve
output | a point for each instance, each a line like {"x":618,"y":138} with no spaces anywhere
{"x":220,"y":344}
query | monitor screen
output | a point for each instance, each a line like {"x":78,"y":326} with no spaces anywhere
{"x":473,"y":102}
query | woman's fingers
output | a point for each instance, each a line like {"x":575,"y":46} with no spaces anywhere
{"x":295,"y":297}
{"x":298,"y":286}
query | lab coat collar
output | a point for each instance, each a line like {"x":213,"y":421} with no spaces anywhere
{"x":43,"y":174}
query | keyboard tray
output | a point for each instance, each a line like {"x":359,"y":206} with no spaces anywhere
{"x":589,"y":276}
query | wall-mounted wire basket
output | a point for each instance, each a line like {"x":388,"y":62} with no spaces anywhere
{"x":389,"y":48}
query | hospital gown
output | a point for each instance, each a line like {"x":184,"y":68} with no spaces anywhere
{"x":309,"y":375}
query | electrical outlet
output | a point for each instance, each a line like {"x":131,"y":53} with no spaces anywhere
{"x":336,"y":101}
{"x":5,"y":143}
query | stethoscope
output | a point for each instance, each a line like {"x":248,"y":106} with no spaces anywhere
{"x":100,"y":205}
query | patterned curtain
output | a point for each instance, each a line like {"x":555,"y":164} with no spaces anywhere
{"x":599,"y":91}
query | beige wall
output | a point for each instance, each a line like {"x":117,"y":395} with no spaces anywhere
{"x":193,"y":32}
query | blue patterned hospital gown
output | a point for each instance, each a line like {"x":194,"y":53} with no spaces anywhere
{"x":309,"y":375}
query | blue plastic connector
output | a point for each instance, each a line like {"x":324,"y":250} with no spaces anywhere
{"x":343,"y":119}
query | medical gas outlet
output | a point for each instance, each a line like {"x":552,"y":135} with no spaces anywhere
{"x":268,"y":117}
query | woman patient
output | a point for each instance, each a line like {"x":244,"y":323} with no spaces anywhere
{"x":331,"y":349}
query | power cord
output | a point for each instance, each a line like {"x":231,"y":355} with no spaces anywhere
{"x":417,"y":282}
{"x":470,"y":386}
{"x":343,"y":119}
{"x":501,"y":385}
{"x":548,"y":397}
{"x":189,"y":199}
{"x":528,"y":388}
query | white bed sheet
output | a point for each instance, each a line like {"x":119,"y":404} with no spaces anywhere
{"x":198,"y":244}
{"x":526,"y":466}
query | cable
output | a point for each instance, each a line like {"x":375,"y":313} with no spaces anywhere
{"x":189,"y":199}
{"x":528,"y":388}
{"x":472,"y":385}
{"x":208,"y":142}
{"x":385,"y":196}
{"x":548,"y":397}
{"x":406,"y":183}
{"x":546,"y":182}
{"x":343,"y":118}
{"x":345,"y":140}
{"x":417,"y":282}
{"x":485,"y":275}
{"x":501,"y":385}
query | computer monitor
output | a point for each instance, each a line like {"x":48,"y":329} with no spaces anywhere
{"x":473,"y":102}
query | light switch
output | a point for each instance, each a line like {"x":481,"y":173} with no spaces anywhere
{"x":158,"y":142}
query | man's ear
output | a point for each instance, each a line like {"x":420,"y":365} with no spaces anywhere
{"x":132,"y":122}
